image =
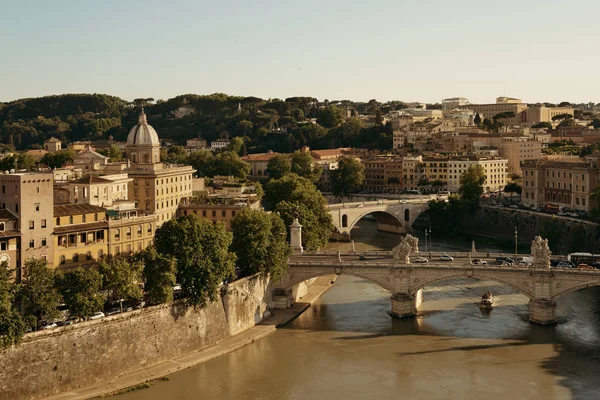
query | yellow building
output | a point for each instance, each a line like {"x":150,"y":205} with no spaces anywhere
{"x":218,"y":208}
{"x":9,"y":239}
{"x":129,"y":229}
{"x":80,"y":233}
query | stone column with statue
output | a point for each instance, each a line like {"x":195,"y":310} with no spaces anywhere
{"x":542,"y":310}
{"x":296,"y":238}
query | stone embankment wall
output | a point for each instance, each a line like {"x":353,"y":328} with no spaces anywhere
{"x":79,"y":355}
{"x":566,"y":235}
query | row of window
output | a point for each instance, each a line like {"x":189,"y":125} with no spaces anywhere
{"x":43,"y":243}
{"x":214,"y":213}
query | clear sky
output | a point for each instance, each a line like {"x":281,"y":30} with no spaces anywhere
{"x":417,"y":50}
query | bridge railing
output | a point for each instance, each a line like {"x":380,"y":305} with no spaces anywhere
{"x":429,"y":254}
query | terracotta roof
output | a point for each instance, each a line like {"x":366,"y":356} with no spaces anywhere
{"x":5,"y":214}
{"x":259,"y":157}
{"x":75,"y":209}
{"x":328,"y":152}
{"x":53,"y":140}
{"x":80,"y":227}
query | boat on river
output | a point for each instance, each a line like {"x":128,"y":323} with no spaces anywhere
{"x":487,"y":301}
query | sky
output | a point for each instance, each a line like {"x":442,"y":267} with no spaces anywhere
{"x":422,"y":50}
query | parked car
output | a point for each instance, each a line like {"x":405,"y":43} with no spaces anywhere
{"x":114,"y":310}
{"x":51,"y":325}
{"x":524,"y":263}
{"x":477,"y":261}
{"x":97,"y":315}
{"x":584,"y":266}
{"x":446,"y":257}
{"x":421,"y":260}
{"x":563,"y":264}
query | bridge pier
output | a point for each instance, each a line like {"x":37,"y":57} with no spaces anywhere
{"x":542,"y":312}
{"x":405,"y":305}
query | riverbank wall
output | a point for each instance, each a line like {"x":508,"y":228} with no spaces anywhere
{"x":497,"y":225}
{"x":66,"y":358}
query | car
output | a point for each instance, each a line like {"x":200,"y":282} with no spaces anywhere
{"x":506,"y":263}
{"x":584,"y":266}
{"x":563,"y":264}
{"x":362,"y":257}
{"x":421,"y":260}
{"x":51,"y":325}
{"x":97,"y":315}
{"x":513,"y":206}
{"x":477,"y":261}
{"x":446,"y":257}
{"x":113,"y":311}
{"x":524,"y":263}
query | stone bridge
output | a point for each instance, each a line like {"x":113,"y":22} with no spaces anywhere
{"x":395,"y":216}
{"x":543,"y":285}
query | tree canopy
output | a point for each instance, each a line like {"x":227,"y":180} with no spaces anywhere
{"x":348,"y":177}
{"x":81,"y":291}
{"x":38,"y":293}
{"x":296,"y":197}
{"x":259,"y":243}
{"x":279,"y":166}
{"x":203,"y":260}
{"x":471,"y":189}
{"x":12,"y":326}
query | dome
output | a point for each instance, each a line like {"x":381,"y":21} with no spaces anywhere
{"x":142,"y":134}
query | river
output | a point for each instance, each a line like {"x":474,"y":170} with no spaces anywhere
{"x":346,"y":346}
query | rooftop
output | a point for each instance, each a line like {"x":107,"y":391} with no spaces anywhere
{"x":76,"y":209}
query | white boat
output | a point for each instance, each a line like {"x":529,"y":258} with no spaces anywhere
{"x":487,"y":301}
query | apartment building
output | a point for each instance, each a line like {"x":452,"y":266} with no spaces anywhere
{"x":10,"y":239}
{"x":80,"y":235}
{"x":129,"y":229}
{"x":564,"y":180}
{"x":495,"y":170}
{"x":218,"y":208}
{"x":519,"y":149}
{"x":100,"y":191}
{"x":258,"y":164}
{"x":454,"y":102}
{"x":28,"y":196}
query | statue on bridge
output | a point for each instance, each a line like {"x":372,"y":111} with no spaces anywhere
{"x":540,"y":251}
{"x":402,"y":251}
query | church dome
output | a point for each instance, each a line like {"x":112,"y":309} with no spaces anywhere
{"x":142,"y":134}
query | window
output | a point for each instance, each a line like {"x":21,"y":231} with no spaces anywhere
{"x":3,"y":246}
{"x":117,"y":234}
{"x":44,"y":242}
{"x":1,"y":226}
{"x":96,"y":217}
{"x":31,"y":244}
{"x":43,"y":223}
{"x":83,"y":218}
{"x":3,"y":188}
{"x":31,"y":225}
{"x":139,"y":230}
{"x":204,"y":213}
{"x":57,"y":221}
{"x":128,"y":232}
{"x":100,"y":254}
{"x":88,"y":256}
{"x":71,"y":219}
{"x":63,"y":259}
{"x":37,"y":189}
{"x":75,"y":257}
{"x":214,"y":213}
{"x":149,"y":228}
{"x":223,"y":213}
{"x":37,"y":207}
{"x":17,"y":207}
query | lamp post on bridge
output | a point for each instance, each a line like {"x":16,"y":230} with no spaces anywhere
{"x":516,"y":244}
{"x":426,"y":244}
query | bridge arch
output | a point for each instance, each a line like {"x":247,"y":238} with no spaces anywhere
{"x":374,"y":213}
{"x":516,"y":286}
{"x":561,"y":291}
{"x":296,"y":280}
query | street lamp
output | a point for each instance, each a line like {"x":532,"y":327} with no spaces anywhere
{"x":426,"y":248}
{"x":430,"y":240}
{"x":516,"y":245}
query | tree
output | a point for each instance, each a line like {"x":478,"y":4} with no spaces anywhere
{"x":38,"y":293}
{"x":296,"y":197}
{"x":512,"y":187}
{"x":202,"y":161}
{"x":302,"y":165}
{"x":471,"y":188}
{"x":122,"y":277}
{"x":595,"y":123}
{"x":159,"y":275}
{"x":545,"y":125}
{"x":348,"y":177}
{"x":202,"y":256}
{"x":235,"y":145}
{"x":279,"y":166}
{"x":330,"y":117}
{"x":81,"y":291}
{"x":115,"y":154}
{"x":567,"y":122}
{"x":477,"y":119}
{"x":560,"y":117}
{"x":595,"y":206}
{"x":58,"y":159}
{"x":259,"y":243}
{"x":228,"y":163}
{"x":502,"y":118}
{"x":564,"y":104}
{"x":12,"y":326}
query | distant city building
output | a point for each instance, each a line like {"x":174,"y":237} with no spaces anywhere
{"x":89,"y":159}
{"x":495,"y":170}
{"x":52,"y":145}
{"x":219,"y":144}
{"x":454,"y":102}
